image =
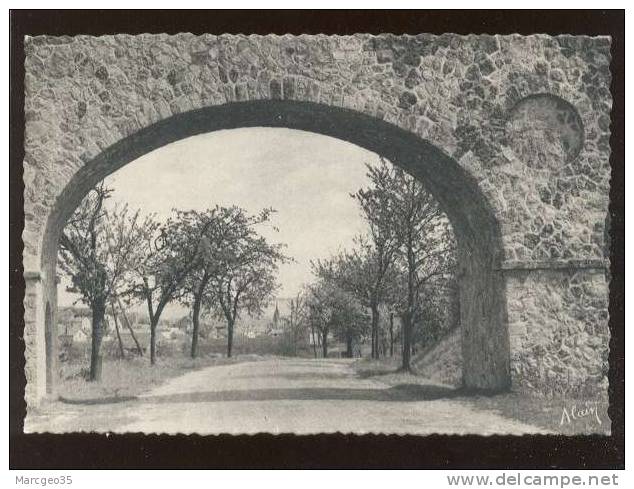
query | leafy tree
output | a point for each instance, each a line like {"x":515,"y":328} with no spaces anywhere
{"x":320,"y":311}
{"x":99,"y":248}
{"x":296,"y":323}
{"x":244,"y":268}
{"x":366,"y":273}
{"x":351,"y":321}
{"x":409,"y":247}
{"x":371,"y":263}
{"x":332,"y":311}
{"x":214,"y":226}
{"x":170,"y":255}
{"x":223,"y":229}
{"x":438,"y":311}
{"x":426,"y":246}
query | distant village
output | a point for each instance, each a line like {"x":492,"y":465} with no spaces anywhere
{"x":74,"y":327}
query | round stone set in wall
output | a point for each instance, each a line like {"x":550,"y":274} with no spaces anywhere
{"x":545,"y":131}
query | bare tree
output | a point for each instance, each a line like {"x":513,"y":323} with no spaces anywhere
{"x":98,"y":249}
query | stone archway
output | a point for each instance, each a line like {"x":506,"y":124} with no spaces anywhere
{"x":528,"y":202}
{"x":483,"y":315}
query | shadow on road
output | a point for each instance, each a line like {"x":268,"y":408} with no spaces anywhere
{"x":400,"y":393}
{"x":294,"y":375}
{"x":95,"y":401}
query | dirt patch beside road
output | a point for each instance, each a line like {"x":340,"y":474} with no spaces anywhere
{"x":127,"y":378}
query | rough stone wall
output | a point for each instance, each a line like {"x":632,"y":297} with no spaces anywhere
{"x":35,"y":345}
{"x":84,"y":94}
{"x":559,"y":331}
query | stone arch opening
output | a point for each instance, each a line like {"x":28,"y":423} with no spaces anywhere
{"x":485,"y":337}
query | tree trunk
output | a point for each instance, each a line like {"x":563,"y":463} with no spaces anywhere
{"x":116,"y":326}
{"x":294,"y":335}
{"x":129,"y":326}
{"x":229,"y":337}
{"x":324,"y":344}
{"x":391,"y":334}
{"x":375,"y":328}
{"x":313,"y":336}
{"x":153,"y":325}
{"x":154,"y":320}
{"x":377,"y":342}
{"x":349,"y":353}
{"x":407,"y":342}
{"x":98,"y":313}
{"x":195,"y":325}
{"x":409,"y":314}
{"x":196,"y":313}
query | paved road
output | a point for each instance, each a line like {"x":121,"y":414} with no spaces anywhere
{"x":294,"y":395}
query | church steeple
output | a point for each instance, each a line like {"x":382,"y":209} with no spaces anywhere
{"x":276,"y":315}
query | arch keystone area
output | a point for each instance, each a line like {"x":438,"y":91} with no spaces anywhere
{"x":528,"y":216}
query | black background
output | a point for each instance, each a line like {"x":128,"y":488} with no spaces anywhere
{"x":137,"y":451}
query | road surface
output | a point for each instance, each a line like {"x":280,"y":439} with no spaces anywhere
{"x":300,"y":396}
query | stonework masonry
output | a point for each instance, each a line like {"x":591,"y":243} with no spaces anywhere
{"x":525,"y":119}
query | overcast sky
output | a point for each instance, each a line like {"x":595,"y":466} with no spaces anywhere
{"x":306,"y":177}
